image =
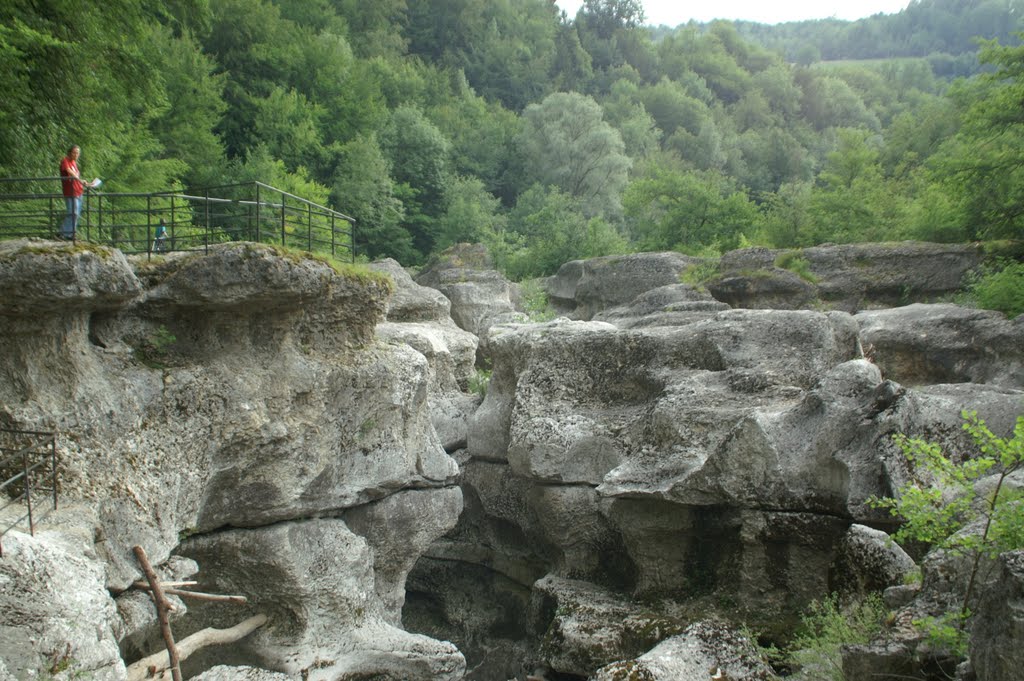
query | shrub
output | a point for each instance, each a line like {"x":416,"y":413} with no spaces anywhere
{"x":936,"y":513}
{"x":535,"y":301}
{"x":795,"y":262}
{"x":478,"y":382}
{"x":826,"y":627}
{"x":1001,"y":290}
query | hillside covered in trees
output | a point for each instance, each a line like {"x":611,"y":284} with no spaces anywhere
{"x":547,"y":137}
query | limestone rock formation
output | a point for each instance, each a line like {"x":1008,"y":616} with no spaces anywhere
{"x":226,"y":673}
{"x":315,"y":579}
{"x":770,"y":288}
{"x":670,"y":305}
{"x":705,"y":650}
{"x":240,"y":388}
{"x":480,"y":296}
{"x":944,"y":343}
{"x":869,"y":561}
{"x":420,"y":317}
{"x":722,"y":463}
{"x":55,"y":614}
{"x":996,"y":652}
{"x":854,"y":277}
{"x":582,"y":288}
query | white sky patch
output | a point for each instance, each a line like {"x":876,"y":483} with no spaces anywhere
{"x":675,"y":12}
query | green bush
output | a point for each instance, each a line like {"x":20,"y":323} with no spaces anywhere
{"x":934,"y":513}
{"x":826,"y":627}
{"x":1001,"y":290}
{"x":794,"y":261}
{"x":479,"y":381}
{"x":700,"y":274}
{"x":535,"y":301}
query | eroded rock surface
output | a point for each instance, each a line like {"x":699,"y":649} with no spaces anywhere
{"x":944,"y":343}
{"x":480,"y":296}
{"x":717,"y":464}
{"x":850,"y":277}
{"x":242,"y":388}
{"x":582,"y":288}
{"x":420,"y":317}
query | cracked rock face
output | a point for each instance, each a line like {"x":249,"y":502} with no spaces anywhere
{"x":420,"y":317}
{"x":719,"y":462}
{"x":242,"y":388}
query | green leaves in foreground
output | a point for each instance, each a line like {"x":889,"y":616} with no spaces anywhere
{"x":826,"y":627}
{"x":938,"y":507}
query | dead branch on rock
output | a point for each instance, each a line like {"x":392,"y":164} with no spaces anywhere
{"x":162,"y":608}
{"x":196,"y":595}
{"x":156,"y":664}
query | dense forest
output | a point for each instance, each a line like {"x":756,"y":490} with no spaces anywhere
{"x":544,"y":136}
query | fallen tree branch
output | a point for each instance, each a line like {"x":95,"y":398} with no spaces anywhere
{"x":198,"y":595}
{"x":156,"y":664}
{"x":172,"y":585}
{"x":162,"y":607}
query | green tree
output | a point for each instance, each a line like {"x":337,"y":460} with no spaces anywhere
{"x":364,"y":189}
{"x":567,"y":143}
{"x":472,"y":215}
{"x":546,"y":229}
{"x":418,"y":155}
{"x":186,"y":127}
{"x":287,"y":123}
{"x":81,"y":74}
{"x":984,"y":163}
{"x":691,"y":211}
{"x":944,"y":500}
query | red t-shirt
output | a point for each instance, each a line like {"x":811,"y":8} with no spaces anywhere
{"x":72,"y":187}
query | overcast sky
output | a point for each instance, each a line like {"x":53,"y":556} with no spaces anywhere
{"x":675,"y":12}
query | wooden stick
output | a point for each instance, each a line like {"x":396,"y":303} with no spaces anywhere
{"x":198,"y":595}
{"x":145,"y":585}
{"x":149,"y":667}
{"x":162,"y":606}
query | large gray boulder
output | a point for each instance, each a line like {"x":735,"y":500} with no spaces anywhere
{"x":851,"y":277}
{"x":240,"y":388}
{"x":315,"y":581}
{"x":56,"y":617}
{"x":945,"y":343}
{"x":770,"y":288}
{"x":39,"y":277}
{"x":591,"y":627}
{"x":705,"y":650}
{"x":998,"y":628}
{"x":582,"y":288}
{"x":670,"y":305}
{"x":420,"y":317}
{"x":480,"y":296}
{"x":869,"y":561}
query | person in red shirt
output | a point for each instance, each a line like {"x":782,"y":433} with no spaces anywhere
{"x":72,"y":186}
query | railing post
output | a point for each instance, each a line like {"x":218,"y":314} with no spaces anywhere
{"x":149,"y":226}
{"x":53,"y":468}
{"x":258,"y":204}
{"x":309,"y":227}
{"x":333,"y":227}
{"x":206,"y":214}
{"x":284,"y":237}
{"x":28,"y":491}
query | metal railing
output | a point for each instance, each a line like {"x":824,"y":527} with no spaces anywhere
{"x":190,"y":220}
{"x":28,"y":468}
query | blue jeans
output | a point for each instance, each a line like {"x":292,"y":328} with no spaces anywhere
{"x":74,"y":209}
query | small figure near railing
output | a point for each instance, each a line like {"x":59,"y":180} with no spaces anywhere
{"x":28,"y":478}
{"x":160,"y":239}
